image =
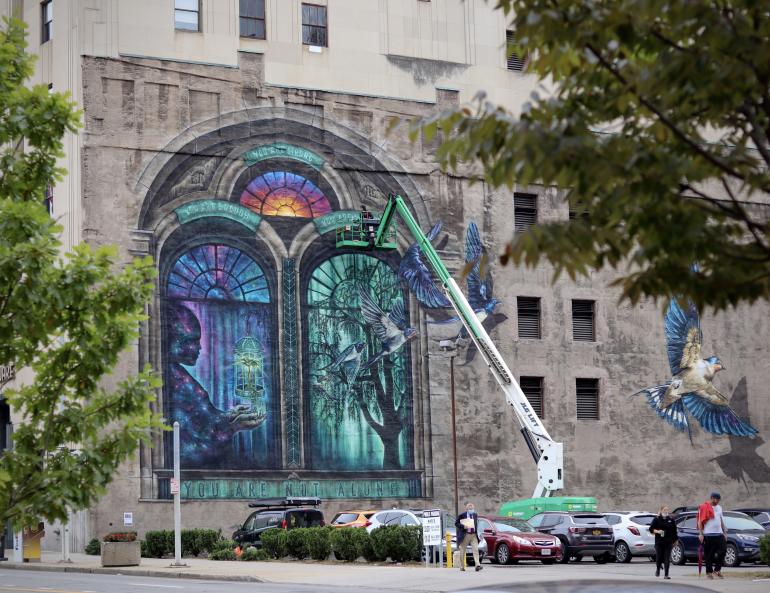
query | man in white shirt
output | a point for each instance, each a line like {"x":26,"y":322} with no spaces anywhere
{"x":713,"y":535}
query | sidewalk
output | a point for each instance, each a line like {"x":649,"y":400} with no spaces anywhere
{"x":395,"y":577}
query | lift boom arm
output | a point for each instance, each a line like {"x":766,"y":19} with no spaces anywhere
{"x":547,"y":453}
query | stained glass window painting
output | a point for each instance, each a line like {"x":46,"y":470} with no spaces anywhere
{"x":280,"y":193}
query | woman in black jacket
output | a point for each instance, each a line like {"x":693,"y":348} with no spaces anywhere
{"x":664,"y":528}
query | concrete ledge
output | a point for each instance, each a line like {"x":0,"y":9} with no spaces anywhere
{"x":173,"y":573}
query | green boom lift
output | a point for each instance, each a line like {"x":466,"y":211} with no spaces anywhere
{"x":373,"y":232}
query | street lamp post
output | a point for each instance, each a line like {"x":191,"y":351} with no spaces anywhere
{"x":454,"y":429}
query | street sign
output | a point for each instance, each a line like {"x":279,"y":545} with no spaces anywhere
{"x":174,"y":486}
{"x":431,"y":527}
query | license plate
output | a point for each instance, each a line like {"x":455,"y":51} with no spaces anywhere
{"x":597,"y":531}
{"x":546,"y":552}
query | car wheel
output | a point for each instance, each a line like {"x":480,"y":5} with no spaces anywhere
{"x":575,"y":558}
{"x":677,"y":554}
{"x":565,"y":554}
{"x":503,"y":554}
{"x":601,"y":558}
{"x":548,"y":561}
{"x":731,"y":556}
{"x":622,"y":553}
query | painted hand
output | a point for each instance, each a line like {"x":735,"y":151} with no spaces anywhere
{"x":243,"y":418}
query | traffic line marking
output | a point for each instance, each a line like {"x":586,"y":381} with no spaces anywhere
{"x":160,"y":586}
{"x":37,"y":590}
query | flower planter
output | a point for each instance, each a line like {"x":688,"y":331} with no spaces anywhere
{"x":121,"y":553}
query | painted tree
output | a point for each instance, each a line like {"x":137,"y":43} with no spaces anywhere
{"x":65,"y":318}
{"x":654,"y":118}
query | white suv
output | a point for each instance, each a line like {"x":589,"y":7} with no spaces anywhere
{"x":632,"y":534}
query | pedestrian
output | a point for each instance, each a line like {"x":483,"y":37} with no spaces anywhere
{"x":467,"y":526}
{"x":664,"y":528}
{"x":713,"y":534}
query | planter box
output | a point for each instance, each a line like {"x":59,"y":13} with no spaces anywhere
{"x":121,"y":553}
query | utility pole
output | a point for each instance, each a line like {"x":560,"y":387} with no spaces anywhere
{"x":176,"y":490}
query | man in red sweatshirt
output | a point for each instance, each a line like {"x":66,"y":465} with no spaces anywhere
{"x":713,"y":534}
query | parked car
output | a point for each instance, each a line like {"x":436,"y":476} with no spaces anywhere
{"x":743,"y":535}
{"x":581,"y":534}
{"x":631,"y":530}
{"x":760,"y":515}
{"x":509,"y":540}
{"x":353,"y":518}
{"x":679,"y":510}
{"x":392,"y":517}
{"x":278,"y":513}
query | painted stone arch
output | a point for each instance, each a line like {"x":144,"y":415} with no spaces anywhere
{"x":220,"y":371}
{"x":358,"y":398}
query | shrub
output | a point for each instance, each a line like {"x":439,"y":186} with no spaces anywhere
{"x":366,"y":549}
{"x":120,"y":536}
{"x":224,"y":544}
{"x":93,"y":548}
{"x":159,"y":543}
{"x":345,"y":544}
{"x":253,"y":554}
{"x":195,"y":541}
{"x":397,"y":542}
{"x":224,"y":555}
{"x":274,"y":542}
{"x":296,"y":543}
{"x":764,"y":549}
{"x":318,"y":543}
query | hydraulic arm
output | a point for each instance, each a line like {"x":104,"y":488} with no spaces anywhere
{"x":547,"y":453}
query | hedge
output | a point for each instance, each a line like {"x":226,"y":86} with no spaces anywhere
{"x":158,"y":544}
{"x":318,"y":542}
{"x":93,"y":548}
{"x":274,"y":542}
{"x":764,"y":549}
{"x":399,"y":543}
{"x":252,"y":554}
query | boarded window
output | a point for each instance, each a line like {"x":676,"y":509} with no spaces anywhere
{"x":583,"y":326}
{"x":524,"y":211}
{"x":533,"y":389}
{"x":314,"y":25}
{"x":252,"y":19}
{"x":528,"y":311}
{"x":515,"y":58}
{"x":587,"y":391}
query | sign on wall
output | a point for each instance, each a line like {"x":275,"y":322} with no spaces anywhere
{"x":283,"y":150}
{"x":218,"y":208}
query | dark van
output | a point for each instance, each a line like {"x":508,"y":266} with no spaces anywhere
{"x":278,"y":513}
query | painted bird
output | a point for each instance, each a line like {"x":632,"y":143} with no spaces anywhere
{"x":390,"y":328}
{"x":349,"y":361}
{"x":691,"y":388}
{"x":419,"y":278}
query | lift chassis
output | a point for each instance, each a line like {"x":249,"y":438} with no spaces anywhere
{"x":379,"y":233}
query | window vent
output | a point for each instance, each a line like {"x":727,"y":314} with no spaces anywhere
{"x":583,"y":327}
{"x":587,"y":391}
{"x":533,"y":389}
{"x":524,"y":211}
{"x":515,"y":59}
{"x":528,"y":311}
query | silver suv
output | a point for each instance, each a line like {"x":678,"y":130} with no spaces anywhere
{"x":581,"y":534}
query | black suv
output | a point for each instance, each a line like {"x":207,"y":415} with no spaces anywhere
{"x":278,"y":513}
{"x":581,"y":534}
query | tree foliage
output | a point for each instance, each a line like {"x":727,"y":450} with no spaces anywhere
{"x":652,"y":117}
{"x":65,"y":318}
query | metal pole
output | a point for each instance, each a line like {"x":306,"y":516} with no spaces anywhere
{"x":177,"y":503}
{"x":454,"y":430}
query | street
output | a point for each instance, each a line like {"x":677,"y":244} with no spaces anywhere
{"x":293,"y":577}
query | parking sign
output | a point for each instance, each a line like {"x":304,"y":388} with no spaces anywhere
{"x":431,"y":527}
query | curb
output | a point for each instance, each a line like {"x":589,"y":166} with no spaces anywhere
{"x":142,"y":573}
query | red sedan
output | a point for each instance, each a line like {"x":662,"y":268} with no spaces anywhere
{"x":510,"y":540}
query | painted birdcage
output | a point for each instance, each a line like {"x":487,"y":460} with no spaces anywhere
{"x":249,"y":364}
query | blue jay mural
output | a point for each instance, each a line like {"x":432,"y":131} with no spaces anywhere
{"x":390,"y":328}
{"x":691,"y":389}
{"x":415,"y":273}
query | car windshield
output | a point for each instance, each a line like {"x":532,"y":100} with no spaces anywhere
{"x":588,"y":519}
{"x":514,"y":524}
{"x":742,"y":524}
{"x":344,"y":518}
{"x":642,"y":519}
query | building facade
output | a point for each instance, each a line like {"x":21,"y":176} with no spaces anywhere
{"x":228,"y":141}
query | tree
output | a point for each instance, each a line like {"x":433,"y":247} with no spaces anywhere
{"x":67,"y":319}
{"x":653,"y":119}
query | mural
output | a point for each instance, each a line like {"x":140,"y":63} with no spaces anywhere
{"x":360,"y":391}
{"x":691,"y":389}
{"x":743,"y":460}
{"x":219,"y":383}
{"x":280,"y":193}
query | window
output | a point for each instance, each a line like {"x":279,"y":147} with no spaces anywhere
{"x":533,"y":389}
{"x":187,"y":15}
{"x":252,"y":17}
{"x":48,"y":200}
{"x":612,"y":519}
{"x":551,"y":520}
{"x":524,"y":211}
{"x":314,"y":29}
{"x":578,"y":211}
{"x":583,"y":329}
{"x":587,"y":399}
{"x":689,"y":523}
{"x":514,"y":57}
{"x":485,"y":525}
{"x":528,"y":311}
{"x":46,"y":10}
